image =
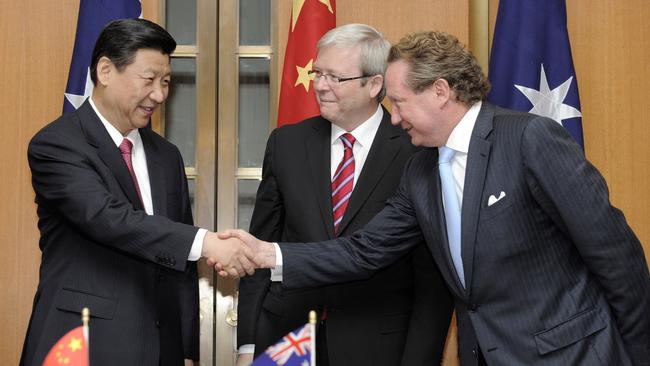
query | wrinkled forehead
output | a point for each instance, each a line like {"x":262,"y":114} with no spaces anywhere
{"x":332,"y":59}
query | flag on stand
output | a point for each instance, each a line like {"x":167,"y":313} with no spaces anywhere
{"x":531,"y":68}
{"x":72,"y":348}
{"x":297,"y":348}
{"x":310,"y":19}
{"x":93,"y":16}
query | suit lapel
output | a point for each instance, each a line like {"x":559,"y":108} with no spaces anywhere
{"x":477,"y":162}
{"x":436,"y":221}
{"x":156,"y":171}
{"x":317,"y":147}
{"x":97,"y":136}
{"x":384,"y":148}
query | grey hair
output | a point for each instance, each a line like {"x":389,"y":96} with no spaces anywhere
{"x":374,"y":48}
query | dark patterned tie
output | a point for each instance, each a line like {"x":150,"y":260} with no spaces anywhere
{"x":125,"y":149}
{"x":343,"y":181}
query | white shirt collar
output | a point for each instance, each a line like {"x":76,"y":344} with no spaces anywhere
{"x":462,"y":133}
{"x":116,"y":136}
{"x":364,"y":133}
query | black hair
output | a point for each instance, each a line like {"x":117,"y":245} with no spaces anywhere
{"x":121,"y":39}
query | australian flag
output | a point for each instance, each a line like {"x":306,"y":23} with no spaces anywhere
{"x":295,"y":349}
{"x":93,"y":16}
{"x":531,"y":68}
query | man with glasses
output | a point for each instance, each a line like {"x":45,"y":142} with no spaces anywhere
{"x":327,"y":177}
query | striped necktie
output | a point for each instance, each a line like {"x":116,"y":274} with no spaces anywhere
{"x":125,"y":149}
{"x":343,"y":181}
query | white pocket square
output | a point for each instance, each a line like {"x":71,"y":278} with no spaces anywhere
{"x":492,"y":199}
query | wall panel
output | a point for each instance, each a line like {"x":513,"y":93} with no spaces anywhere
{"x":36,"y":38}
{"x":611,"y":53}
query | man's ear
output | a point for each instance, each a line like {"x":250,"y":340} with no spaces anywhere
{"x":441,"y":89}
{"x":376,"y":83}
{"x":105,"y":69}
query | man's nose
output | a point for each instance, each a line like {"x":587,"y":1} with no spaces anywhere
{"x":395,"y":118}
{"x":320,"y":83}
{"x":158,"y":94}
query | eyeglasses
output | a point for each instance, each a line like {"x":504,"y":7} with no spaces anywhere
{"x":332,"y":79}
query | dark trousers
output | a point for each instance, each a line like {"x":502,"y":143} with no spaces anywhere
{"x":322,"y":358}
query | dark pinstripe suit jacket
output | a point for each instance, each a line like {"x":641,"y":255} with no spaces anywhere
{"x":101,"y":250}
{"x":554,"y":274}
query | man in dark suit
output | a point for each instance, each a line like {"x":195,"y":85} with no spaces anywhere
{"x":372,"y":322}
{"x":114,"y":215}
{"x":543,"y":269}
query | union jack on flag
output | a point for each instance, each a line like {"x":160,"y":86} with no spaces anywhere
{"x":295,"y":349}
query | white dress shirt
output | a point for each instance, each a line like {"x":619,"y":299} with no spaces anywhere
{"x":139,"y":161}
{"x":459,"y":141}
{"x":364,"y":135}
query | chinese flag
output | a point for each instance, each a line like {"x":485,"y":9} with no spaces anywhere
{"x":70,"y":350}
{"x":310,"y":19}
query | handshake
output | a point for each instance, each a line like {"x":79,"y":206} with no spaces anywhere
{"x":236,"y":253}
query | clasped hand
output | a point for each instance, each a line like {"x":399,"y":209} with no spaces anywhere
{"x":236,"y":253}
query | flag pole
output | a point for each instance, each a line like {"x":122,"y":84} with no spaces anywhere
{"x":85,"y":318}
{"x":312,"y":329}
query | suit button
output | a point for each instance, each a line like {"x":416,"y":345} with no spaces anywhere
{"x":474,"y":353}
{"x":473,"y":307}
{"x":157,"y":323}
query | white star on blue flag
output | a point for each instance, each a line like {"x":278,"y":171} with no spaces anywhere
{"x":93,"y":16}
{"x":529,"y":36}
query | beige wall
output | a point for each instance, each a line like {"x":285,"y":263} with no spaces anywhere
{"x":36,"y":38}
{"x":611,"y":53}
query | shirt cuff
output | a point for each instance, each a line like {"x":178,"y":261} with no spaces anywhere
{"x":276,"y":273}
{"x":246,"y":348}
{"x":197,"y":246}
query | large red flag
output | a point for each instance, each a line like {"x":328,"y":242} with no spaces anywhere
{"x":70,"y":350}
{"x":310,"y":19}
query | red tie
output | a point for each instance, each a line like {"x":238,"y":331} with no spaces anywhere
{"x":125,"y":149}
{"x":343,"y":181}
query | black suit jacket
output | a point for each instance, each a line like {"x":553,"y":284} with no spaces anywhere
{"x":369,"y":322}
{"x":554,"y":274}
{"x":102,"y":251}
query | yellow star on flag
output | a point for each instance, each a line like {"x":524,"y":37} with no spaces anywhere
{"x":303,"y":75}
{"x":295,"y":12}
{"x":329,"y":5}
{"x":297,"y":8}
{"x":75,"y":344}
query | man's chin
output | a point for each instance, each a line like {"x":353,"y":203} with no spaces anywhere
{"x":141,"y":123}
{"x":327,"y":114}
{"x":416,"y":140}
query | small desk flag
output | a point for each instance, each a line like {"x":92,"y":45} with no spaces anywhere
{"x":298,"y":348}
{"x":72,"y":348}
